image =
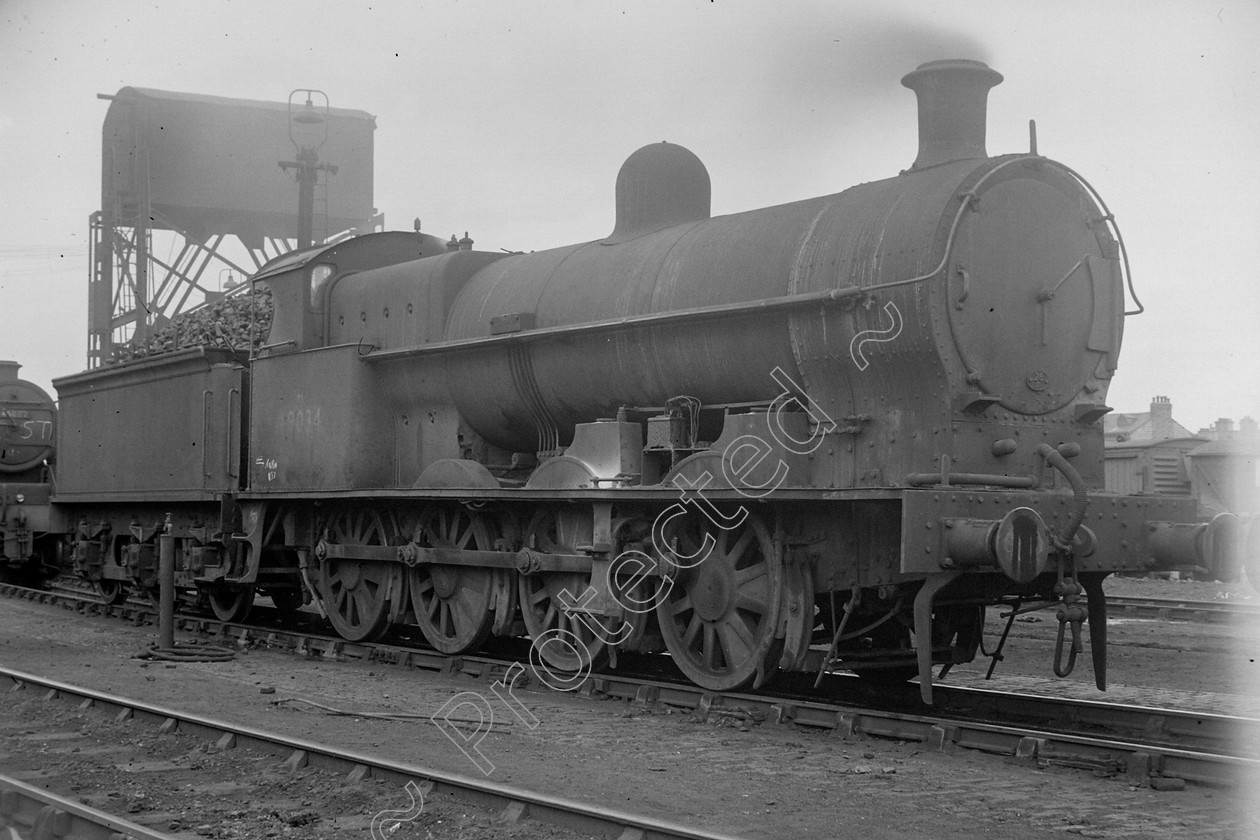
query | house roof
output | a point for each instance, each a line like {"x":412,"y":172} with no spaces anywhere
{"x":1142,"y":428}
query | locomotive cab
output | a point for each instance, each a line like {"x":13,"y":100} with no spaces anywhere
{"x":297,"y":298}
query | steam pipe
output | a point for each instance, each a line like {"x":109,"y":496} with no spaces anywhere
{"x":1081,"y":497}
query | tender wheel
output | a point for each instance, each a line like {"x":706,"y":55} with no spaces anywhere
{"x":112,"y":592}
{"x":719,"y":618}
{"x":231,"y":603}
{"x":453,"y":604}
{"x":355,"y":593}
{"x":559,"y":532}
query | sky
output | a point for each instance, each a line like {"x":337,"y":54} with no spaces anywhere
{"x":510,"y":121}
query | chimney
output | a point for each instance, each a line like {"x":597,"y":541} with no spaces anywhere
{"x":1247,"y":428}
{"x":1224,"y":428}
{"x":1161,"y":418}
{"x":953,"y":95}
{"x":8,"y":371}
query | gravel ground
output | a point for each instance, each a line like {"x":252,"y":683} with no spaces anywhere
{"x":1188,"y":656}
{"x":755,"y":781}
{"x":185,"y":786}
{"x":1191,"y":590}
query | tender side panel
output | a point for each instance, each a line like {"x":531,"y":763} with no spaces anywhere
{"x":169,"y":425}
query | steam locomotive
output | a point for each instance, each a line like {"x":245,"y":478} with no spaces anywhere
{"x":27,"y":437}
{"x":824,"y":434}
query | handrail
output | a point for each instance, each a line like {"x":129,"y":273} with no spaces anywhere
{"x":205,"y":430}
{"x":629,"y":322}
{"x":233,"y":423}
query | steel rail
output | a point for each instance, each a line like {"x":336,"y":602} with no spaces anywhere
{"x":1144,"y":741}
{"x":514,"y":803}
{"x":29,"y":811}
{"x":1118,"y":606}
{"x":1139,"y":760}
{"x":1178,"y":609}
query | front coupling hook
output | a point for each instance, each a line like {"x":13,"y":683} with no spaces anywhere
{"x":1070,"y":612}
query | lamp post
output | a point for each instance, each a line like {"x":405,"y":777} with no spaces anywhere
{"x":308,"y":129}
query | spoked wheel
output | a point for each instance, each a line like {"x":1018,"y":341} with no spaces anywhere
{"x":570,"y":644}
{"x":453,"y":604}
{"x":356,"y":593}
{"x":112,"y":592}
{"x":231,"y":603}
{"x":719,"y":618}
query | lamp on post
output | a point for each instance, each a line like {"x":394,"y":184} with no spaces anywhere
{"x":308,"y":130}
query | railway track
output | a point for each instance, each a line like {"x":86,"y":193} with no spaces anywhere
{"x":1144,"y":743}
{"x":1118,"y":606}
{"x":1170,"y":609}
{"x":29,"y":811}
{"x":511,"y":804}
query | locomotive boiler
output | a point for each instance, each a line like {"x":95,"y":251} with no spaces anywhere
{"x":823,"y":434}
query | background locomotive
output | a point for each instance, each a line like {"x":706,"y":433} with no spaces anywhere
{"x":856,"y":419}
{"x":28,"y":548}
